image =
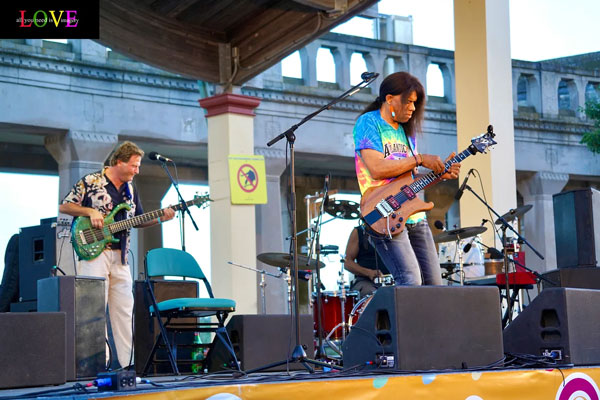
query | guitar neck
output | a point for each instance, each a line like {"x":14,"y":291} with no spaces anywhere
{"x":428,"y":179}
{"x":146,"y":217}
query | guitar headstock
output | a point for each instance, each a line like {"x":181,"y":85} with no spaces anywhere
{"x":201,"y":200}
{"x":482,"y":142}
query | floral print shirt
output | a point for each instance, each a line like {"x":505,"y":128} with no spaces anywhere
{"x":96,"y":191}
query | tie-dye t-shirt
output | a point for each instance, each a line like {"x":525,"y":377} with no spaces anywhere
{"x":372,"y":132}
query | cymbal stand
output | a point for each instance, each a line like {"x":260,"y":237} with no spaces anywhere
{"x":263,"y":283}
{"x":505,"y":226}
{"x":461,"y":273}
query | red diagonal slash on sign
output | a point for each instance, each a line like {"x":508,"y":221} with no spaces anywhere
{"x":247,"y":180}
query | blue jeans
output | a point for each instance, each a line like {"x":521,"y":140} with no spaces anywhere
{"x":410,"y":256}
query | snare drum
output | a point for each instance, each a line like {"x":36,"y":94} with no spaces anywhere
{"x":331,"y":311}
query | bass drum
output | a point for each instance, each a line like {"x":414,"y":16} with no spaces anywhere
{"x":357,"y":311}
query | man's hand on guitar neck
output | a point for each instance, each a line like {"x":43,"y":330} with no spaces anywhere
{"x":454,"y":169}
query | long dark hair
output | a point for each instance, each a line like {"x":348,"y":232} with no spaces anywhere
{"x":402,"y":83}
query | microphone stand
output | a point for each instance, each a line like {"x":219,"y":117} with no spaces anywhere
{"x":184,"y":207}
{"x":505,"y":226}
{"x":299,"y":355}
{"x":316,"y":239}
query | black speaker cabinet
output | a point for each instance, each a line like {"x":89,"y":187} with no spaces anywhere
{"x":82,"y":299}
{"x":577,"y":228}
{"x":32,"y":349}
{"x":37,"y":256}
{"x":259,"y":340}
{"x":560,"y":321}
{"x":575,"y":277}
{"x":147,"y":329}
{"x":427,"y":327}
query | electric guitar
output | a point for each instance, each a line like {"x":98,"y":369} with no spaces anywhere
{"x":386,"y":208}
{"x":89,"y":242}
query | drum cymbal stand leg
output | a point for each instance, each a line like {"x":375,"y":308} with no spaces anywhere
{"x":461,"y":274}
{"x":342,"y":286}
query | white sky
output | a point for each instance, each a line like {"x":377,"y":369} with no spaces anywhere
{"x":540,"y":29}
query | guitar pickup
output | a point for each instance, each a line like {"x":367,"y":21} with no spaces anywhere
{"x":408,"y":192}
{"x":82,"y":237}
{"x":384,"y":207}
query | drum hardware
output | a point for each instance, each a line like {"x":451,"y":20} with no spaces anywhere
{"x":344,"y":209}
{"x":263,"y":283}
{"x":384,"y":280}
{"x":514,"y":213}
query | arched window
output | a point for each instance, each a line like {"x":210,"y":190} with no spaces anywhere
{"x":291,"y":66}
{"x":522,"y":90}
{"x":564,"y":98}
{"x":591,"y":92}
{"x":325,"y":65}
{"x":435,"y":81}
{"x":358,"y":65}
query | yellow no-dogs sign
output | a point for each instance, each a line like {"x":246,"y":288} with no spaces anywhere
{"x":247,"y":179}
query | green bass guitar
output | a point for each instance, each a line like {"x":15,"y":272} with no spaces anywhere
{"x":89,"y":242}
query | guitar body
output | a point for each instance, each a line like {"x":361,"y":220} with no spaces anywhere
{"x":89,"y":242}
{"x":386,"y":208}
{"x":397,"y":219}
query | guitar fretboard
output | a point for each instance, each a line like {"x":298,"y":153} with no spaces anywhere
{"x":146,"y":217}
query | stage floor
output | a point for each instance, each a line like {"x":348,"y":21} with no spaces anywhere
{"x":499,"y":384}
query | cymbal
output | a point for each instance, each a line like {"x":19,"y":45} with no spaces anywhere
{"x":283,"y":260}
{"x":457,"y":234}
{"x":515,"y":213}
{"x":344,"y":209}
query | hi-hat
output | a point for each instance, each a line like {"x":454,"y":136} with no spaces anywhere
{"x":515,"y":213}
{"x":283,"y":260}
{"x":345,"y":209}
{"x":457,"y":234}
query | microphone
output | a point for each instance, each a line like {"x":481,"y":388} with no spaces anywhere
{"x":460,"y":190}
{"x":439,"y":224}
{"x":157,"y":157}
{"x":367,"y":76}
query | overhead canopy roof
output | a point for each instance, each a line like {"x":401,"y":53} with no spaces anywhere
{"x":219,"y":41}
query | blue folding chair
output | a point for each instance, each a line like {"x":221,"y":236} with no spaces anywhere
{"x":173,"y":262}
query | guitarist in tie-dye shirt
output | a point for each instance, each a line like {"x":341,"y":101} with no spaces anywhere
{"x":385,"y":140}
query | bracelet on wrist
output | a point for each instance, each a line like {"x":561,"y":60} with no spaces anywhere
{"x":159,"y":221}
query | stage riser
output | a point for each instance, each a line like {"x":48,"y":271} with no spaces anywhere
{"x":427,"y":328}
{"x":32,"y":349}
{"x":260,"y":340}
{"x":559,"y":319}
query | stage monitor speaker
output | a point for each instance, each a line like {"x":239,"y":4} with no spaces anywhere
{"x":577,"y":228}
{"x":577,"y":277}
{"x":32,"y":349}
{"x":147,"y":329}
{"x":37,"y":256}
{"x":259,"y":340}
{"x":560,"y":321}
{"x":82,"y":299}
{"x":412,"y":328}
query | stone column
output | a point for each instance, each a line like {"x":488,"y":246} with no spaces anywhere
{"x":484,"y":96}
{"x":269,"y":232}
{"x":230,"y":120}
{"x":539,"y":222}
{"x":151,"y":190}
{"x":77,"y":154}
{"x":308,"y":58}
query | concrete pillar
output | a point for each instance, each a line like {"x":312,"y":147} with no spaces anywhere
{"x":308,"y":58}
{"x":77,"y":153}
{"x":230,"y":119}
{"x":270,"y":236}
{"x":151,"y":190}
{"x":539,"y":222}
{"x":341,"y":56}
{"x":417,"y":64}
{"x":483,"y":97}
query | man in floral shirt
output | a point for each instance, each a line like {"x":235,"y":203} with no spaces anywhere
{"x":95,"y":196}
